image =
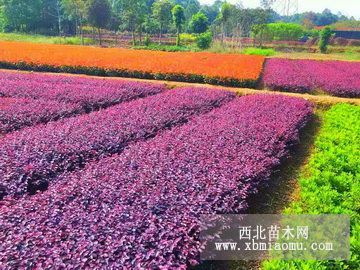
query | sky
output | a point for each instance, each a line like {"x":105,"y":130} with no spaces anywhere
{"x":346,"y":7}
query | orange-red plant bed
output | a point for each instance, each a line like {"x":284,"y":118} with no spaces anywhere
{"x":229,"y":69}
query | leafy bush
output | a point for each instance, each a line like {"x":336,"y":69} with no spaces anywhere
{"x":188,"y":38}
{"x":41,"y":152}
{"x":334,"y":77}
{"x":325,"y":36}
{"x":140,"y":209}
{"x":282,"y":31}
{"x":199,"y":23}
{"x":331,"y":184}
{"x":204,"y":40}
{"x":147,"y":41}
{"x":259,"y":51}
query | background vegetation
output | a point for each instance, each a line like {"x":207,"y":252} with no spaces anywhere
{"x":330,"y":184}
{"x":153,"y":21}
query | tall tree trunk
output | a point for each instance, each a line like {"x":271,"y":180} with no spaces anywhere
{"x":81,"y":34}
{"x":76,"y":28}
{"x":99,"y":32}
{"x":133,"y":37}
{"x":160,"y":34}
{"x":140,"y":35}
{"x":222,"y":34}
{"x":178,"y":38}
{"x":59,"y":18}
{"x":94,"y":33}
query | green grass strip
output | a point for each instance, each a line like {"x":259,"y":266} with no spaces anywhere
{"x":330,"y":183}
{"x":44,"y":39}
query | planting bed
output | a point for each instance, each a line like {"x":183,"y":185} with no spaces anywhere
{"x":227,"y":69}
{"x":18,"y":113}
{"x":30,"y":158}
{"x":139,"y":209}
{"x":331,"y":183}
{"x":90,"y":94}
{"x":334,"y":77}
{"x":29,"y":99}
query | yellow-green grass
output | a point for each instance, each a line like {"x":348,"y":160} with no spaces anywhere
{"x":44,"y":39}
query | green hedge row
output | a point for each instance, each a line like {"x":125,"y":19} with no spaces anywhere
{"x":331,"y":183}
{"x":94,"y":71}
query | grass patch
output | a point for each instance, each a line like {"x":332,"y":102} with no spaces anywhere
{"x":164,"y":48}
{"x":217,"y":47}
{"x":330,"y":183}
{"x":352,"y":54}
{"x":44,"y":39}
{"x":259,"y":51}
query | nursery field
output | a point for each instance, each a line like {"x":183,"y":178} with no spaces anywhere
{"x":102,"y":173}
{"x":230,"y":69}
{"x":305,"y":76}
{"x":335,"y":78}
{"x":154,"y":164}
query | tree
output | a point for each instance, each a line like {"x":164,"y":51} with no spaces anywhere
{"x":178,"y":14}
{"x":212,"y":11}
{"x":326,"y":18}
{"x":283,"y":31}
{"x":199,"y":23}
{"x":133,"y":16}
{"x":204,"y":40}
{"x":224,"y":17}
{"x":76,"y":10}
{"x":99,"y":14}
{"x":28,"y":16}
{"x":325,"y":36}
{"x":162,"y":14}
{"x":191,"y":7}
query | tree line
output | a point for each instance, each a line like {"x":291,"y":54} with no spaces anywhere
{"x":147,"y":17}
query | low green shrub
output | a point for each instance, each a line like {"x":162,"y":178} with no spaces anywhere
{"x":325,"y":36}
{"x":259,"y":51}
{"x":187,"y":38}
{"x":204,"y":40}
{"x":331,"y":183}
{"x":147,"y":41}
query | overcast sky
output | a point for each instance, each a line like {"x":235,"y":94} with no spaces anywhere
{"x":347,"y":7}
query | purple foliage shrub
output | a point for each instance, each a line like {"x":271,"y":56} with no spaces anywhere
{"x":30,"y":158}
{"x":16,"y":113}
{"x":90,"y":94}
{"x":334,"y":77}
{"x":140,"y":209}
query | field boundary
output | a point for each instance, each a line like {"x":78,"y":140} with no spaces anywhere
{"x":320,"y":100}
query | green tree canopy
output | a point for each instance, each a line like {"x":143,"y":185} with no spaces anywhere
{"x":178,"y":14}
{"x":282,"y":31}
{"x":199,"y":23}
{"x":325,"y":36}
{"x":99,"y":14}
{"x":161,"y":11}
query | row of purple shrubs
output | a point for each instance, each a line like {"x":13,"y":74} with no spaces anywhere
{"x":140,"y":209}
